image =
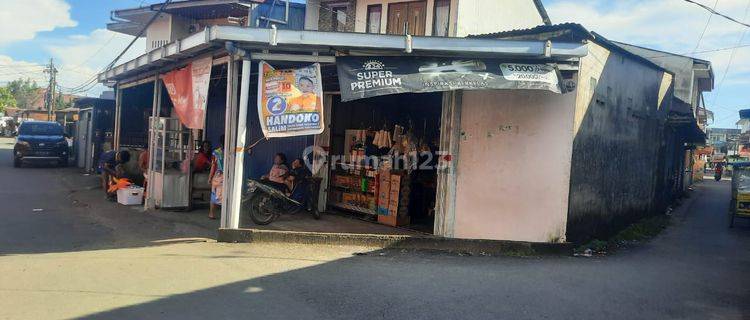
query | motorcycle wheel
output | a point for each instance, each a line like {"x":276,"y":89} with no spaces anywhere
{"x":261,"y":210}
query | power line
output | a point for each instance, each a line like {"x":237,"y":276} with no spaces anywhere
{"x":731,"y":57}
{"x":702,"y":51}
{"x":703,"y":33}
{"x":140,"y":33}
{"x":97,"y":52}
{"x":89,"y":83}
{"x":93,"y":80}
{"x":712,"y":11}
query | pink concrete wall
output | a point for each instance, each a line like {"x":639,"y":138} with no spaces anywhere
{"x":514,"y":165}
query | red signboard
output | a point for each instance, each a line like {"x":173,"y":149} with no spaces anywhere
{"x":188,"y":90}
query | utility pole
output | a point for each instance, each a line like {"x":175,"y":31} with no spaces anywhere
{"x":49,"y":99}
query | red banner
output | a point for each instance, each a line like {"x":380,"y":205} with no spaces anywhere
{"x":188,"y":90}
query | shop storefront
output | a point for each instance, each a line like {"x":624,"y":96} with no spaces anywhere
{"x":392,"y":122}
{"x":387,"y":151}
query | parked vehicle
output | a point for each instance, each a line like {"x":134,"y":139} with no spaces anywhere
{"x":7,"y":126}
{"x":40,"y":141}
{"x":264,"y":203}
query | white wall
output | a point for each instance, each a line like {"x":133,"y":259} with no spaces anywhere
{"x":514,"y":165}
{"x":488,"y":16}
{"x":160,"y":30}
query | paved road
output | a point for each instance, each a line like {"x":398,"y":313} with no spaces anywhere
{"x":78,"y":260}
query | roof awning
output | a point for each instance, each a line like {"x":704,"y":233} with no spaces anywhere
{"x":325,"y":46}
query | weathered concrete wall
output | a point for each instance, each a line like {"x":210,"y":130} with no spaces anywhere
{"x":618,"y":150}
{"x":514,"y":165}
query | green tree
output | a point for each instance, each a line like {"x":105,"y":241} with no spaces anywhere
{"x":6,"y":99}
{"x":60,"y":102}
{"x":25,"y":91}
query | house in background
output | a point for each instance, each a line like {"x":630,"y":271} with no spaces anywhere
{"x":743,"y":140}
{"x":724,"y":140}
{"x":626,"y":113}
{"x":37,"y":110}
{"x":180,"y":19}
{"x":445,"y":18}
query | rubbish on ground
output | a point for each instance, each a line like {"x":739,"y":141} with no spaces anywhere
{"x":586,"y":253}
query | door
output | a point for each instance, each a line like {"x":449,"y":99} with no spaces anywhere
{"x":82,"y":139}
{"x":417,"y":18}
{"x":407,"y":16}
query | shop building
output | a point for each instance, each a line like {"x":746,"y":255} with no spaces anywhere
{"x":639,"y":115}
{"x":478,"y":133}
{"x":485,"y":180}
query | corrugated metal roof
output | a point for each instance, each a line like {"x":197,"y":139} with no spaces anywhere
{"x":571,"y":31}
{"x":327,"y":44}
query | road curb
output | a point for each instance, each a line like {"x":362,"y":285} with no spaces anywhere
{"x":431,"y":243}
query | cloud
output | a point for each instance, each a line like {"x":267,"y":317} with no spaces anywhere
{"x":23,"y":19}
{"x":81,"y":57}
{"x":11,"y":69}
{"x":673,"y":26}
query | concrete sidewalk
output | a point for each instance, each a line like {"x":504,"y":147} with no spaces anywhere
{"x":135,"y":223}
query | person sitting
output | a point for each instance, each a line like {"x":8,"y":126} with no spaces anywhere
{"x":111,"y":166}
{"x":202,"y":161}
{"x":276,"y":177}
{"x":296,"y":181}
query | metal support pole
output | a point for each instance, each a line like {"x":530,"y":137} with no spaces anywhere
{"x":230,"y":122}
{"x":118,"y":113}
{"x":239,"y":148}
{"x":149,"y":203}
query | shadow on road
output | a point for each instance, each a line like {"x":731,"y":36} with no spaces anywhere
{"x":51,"y":209}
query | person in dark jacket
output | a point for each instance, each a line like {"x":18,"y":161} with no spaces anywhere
{"x":111,"y":165}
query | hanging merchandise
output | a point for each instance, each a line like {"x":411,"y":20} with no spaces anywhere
{"x":290,"y":101}
{"x":382,"y":139}
{"x":188,"y":90}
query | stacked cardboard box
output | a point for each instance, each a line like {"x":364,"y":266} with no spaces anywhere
{"x":384,"y":187}
{"x":388,"y":201}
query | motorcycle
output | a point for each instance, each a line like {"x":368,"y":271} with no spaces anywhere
{"x":717,"y":174}
{"x":264,"y":202}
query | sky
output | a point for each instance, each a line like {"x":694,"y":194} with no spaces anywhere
{"x":73,"y":33}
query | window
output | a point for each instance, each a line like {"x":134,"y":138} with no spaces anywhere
{"x":40,"y":128}
{"x":374,"y":13}
{"x":441,"y":21}
{"x":338,"y":14}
